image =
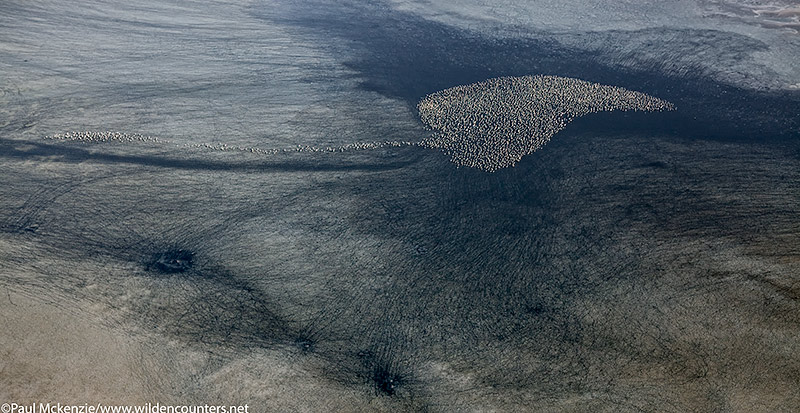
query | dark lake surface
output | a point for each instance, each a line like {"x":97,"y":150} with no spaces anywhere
{"x":637,"y":262}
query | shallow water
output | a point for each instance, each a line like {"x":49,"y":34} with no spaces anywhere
{"x":636,"y":262}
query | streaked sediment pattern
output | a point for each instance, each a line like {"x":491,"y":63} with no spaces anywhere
{"x":227,"y":246}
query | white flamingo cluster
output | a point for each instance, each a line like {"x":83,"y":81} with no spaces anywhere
{"x":103,"y":136}
{"x":492,"y":124}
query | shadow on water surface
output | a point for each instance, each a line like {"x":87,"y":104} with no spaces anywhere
{"x":71,"y":154}
{"x":403,"y":56}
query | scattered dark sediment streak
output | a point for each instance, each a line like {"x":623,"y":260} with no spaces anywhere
{"x":73,"y":154}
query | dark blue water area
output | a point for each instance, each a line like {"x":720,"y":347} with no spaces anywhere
{"x":515,"y":211}
{"x":404,"y":56}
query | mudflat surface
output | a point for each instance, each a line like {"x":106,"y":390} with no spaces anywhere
{"x":640,"y":261}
